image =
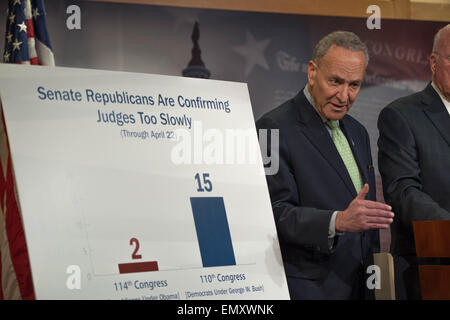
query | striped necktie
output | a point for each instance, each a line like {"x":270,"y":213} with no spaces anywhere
{"x":344,"y":150}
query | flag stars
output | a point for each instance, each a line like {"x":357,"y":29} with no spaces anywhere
{"x":16,"y":45}
{"x":36,"y":13}
{"x":9,"y":37}
{"x":11,"y":18}
{"x":22,"y":27}
{"x":6,"y":57}
{"x":23,"y":30}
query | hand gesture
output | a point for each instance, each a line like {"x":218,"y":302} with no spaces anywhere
{"x":363,"y":214}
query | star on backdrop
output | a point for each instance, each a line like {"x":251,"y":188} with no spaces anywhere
{"x":253,"y":52}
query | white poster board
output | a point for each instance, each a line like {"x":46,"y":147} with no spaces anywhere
{"x":136,"y":186}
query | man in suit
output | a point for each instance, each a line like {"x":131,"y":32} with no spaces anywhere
{"x":326,"y":227}
{"x":414,"y":162}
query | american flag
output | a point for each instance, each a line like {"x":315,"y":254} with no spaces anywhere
{"x":27,"y":40}
{"x":15,"y":273}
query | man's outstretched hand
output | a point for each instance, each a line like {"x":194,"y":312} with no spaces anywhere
{"x":363,"y":214}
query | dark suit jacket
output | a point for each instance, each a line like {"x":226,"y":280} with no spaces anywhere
{"x":313,"y":182}
{"x":414,"y":162}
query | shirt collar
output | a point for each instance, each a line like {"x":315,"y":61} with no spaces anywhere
{"x":444,"y":101}
{"x":311,"y":101}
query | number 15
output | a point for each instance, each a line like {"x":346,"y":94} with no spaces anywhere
{"x":206,"y":185}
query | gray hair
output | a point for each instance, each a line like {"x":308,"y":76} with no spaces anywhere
{"x":437,"y":37}
{"x":344,"y":39}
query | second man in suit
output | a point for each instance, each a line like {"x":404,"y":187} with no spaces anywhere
{"x":414,"y":162}
{"x":323,"y":193}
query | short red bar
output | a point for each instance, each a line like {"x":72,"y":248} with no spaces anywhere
{"x":138,"y":267}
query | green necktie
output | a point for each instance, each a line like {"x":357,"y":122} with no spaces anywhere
{"x":343,"y":147}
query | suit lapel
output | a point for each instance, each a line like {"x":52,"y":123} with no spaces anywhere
{"x":436,"y":112}
{"x":314,"y":129}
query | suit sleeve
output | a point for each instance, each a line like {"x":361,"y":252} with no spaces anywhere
{"x":296,"y":225}
{"x":373,"y":234}
{"x":400,"y":171}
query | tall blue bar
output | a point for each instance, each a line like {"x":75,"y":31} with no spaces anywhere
{"x":213,"y":233}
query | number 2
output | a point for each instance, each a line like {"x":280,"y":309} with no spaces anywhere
{"x":134,"y":255}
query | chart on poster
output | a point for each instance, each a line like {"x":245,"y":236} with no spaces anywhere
{"x":138,"y":186}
